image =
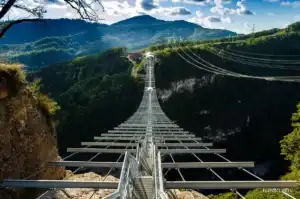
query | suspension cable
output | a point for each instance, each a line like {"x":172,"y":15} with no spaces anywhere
{"x":268,"y":78}
{"x":247,"y":61}
{"x":225,"y":72}
{"x":268,"y":55}
{"x":260,"y":59}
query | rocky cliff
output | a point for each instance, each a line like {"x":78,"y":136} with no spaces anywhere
{"x":82,"y":193}
{"x":27,"y":132}
{"x":186,"y":194}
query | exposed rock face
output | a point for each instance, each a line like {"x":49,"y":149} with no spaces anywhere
{"x":27,"y":135}
{"x":82,"y":193}
{"x":176,"y":194}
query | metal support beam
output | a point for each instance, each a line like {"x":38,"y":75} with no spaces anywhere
{"x":208,"y":165}
{"x":156,"y":135}
{"x":178,"y":139}
{"x":85,"y":164}
{"x":108,"y":144}
{"x":133,"y":128}
{"x":154,"y":132}
{"x":229,"y":184}
{"x":137,"y":138}
{"x":97,"y":150}
{"x":122,"y":135}
{"x":173,"y":135}
{"x":176,"y":136}
{"x":193,"y":144}
{"x":48,"y":184}
{"x":179,"y":151}
{"x":152,"y":125}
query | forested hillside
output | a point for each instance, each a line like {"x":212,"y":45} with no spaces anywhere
{"x":249,"y":117}
{"x":51,"y":41}
{"x":94,"y":93}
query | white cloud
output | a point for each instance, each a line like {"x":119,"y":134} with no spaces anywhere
{"x":271,"y":1}
{"x":63,"y":11}
{"x":226,"y":19}
{"x":177,"y":11}
{"x":220,"y":9}
{"x":214,"y":19}
{"x":117,"y":8}
{"x":170,"y":11}
{"x":294,"y":4}
{"x":243,"y":10}
{"x":196,"y":2}
{"x":201,"y":21}
{"x":199,"y":13}
{"x":146,"y":5}
{"x":207,"y":21}
{"x":271,"y":14}
{"x":56,"y":6}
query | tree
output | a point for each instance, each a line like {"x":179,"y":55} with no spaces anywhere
{"x":36,"y":10}
{"x":290,"y":143}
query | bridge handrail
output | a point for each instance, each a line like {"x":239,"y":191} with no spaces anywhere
{"x":161,"y":193}
{"x":137,"y":151}
{"x":141,"y":151}
{"x":123,"y":177}
{"x":129,"y":171}
{"x":155,"y":176}
{"x":160,"y":176}
{"x":123,"y":183}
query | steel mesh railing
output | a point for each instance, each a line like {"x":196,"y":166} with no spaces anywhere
{"x":124,"y":180}
{"x":159,"y":176}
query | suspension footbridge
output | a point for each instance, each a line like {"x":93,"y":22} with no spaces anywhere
{"x":142,"y":141}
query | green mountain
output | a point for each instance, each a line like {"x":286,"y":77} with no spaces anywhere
{"x":52,"y":41}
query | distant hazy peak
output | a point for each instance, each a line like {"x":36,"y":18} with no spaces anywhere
{"x":141,"y":19}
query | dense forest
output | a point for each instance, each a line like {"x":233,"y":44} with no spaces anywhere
{"x":249,"y":117}
{"x":51,"y":41}
{"x":94,"y":93}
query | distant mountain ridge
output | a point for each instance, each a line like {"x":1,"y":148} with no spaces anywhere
{"x":55,"y":40}
{"x":33,"y":31}
{"x":139,"y":20}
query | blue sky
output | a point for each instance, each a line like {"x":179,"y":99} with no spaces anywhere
{"x":264,"y":14}
{"x":235,"y":15}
